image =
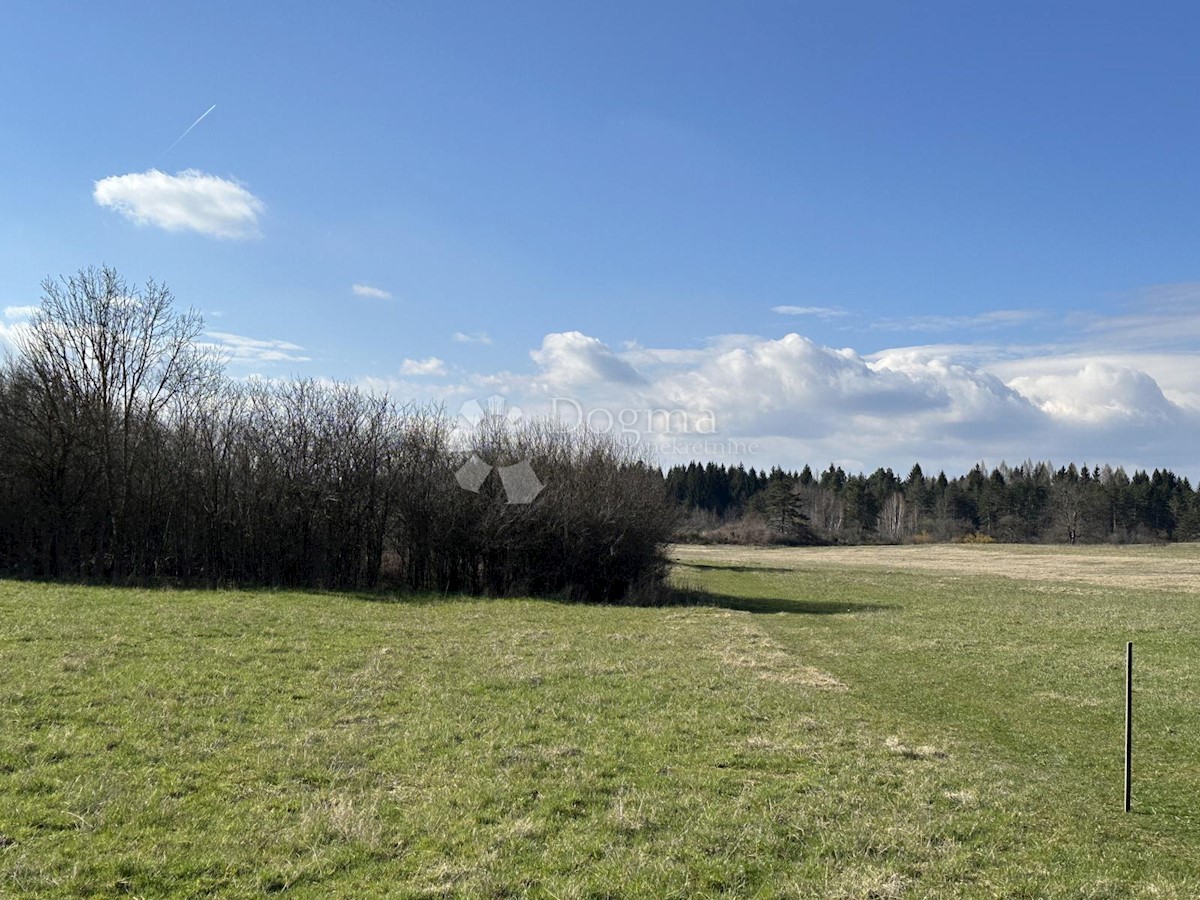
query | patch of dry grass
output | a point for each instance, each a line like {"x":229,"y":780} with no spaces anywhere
{"x":1173,"y":567}
{"x":748,"y":648}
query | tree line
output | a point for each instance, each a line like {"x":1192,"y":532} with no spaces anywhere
{"x":1027,"y":503}
{"x":127,"y":454}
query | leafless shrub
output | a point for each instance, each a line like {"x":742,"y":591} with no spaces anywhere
{"x":128,"y":455}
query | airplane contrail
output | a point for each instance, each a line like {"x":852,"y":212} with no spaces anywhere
{"x":189,"y":128}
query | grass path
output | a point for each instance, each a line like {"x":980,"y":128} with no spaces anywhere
{"x":822,"y":727}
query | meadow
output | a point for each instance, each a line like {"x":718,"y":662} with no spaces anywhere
{"x":829,"y":722}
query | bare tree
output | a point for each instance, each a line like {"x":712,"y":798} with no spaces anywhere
{"x":897,"y":520}
{"x":102,"y":361}
{"x":125,"y":453}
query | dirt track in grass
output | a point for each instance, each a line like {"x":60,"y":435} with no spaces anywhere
{"x":1167,"y":567}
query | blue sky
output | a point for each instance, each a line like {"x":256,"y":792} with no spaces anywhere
{"x":854,"y":232}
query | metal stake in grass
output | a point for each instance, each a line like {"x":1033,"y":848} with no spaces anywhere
{"x":1128,"y":724}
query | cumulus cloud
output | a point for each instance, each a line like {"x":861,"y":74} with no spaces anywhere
{"x":768,"y":382}
{"x":789,"y":401}
{"x":1098,"y":393}
{"x":20,"y":312}
{"x":790,"y":394}
{"x":430,"y":366}
{"x":1177,"y":374}
{"x":240,"y":349}
{"x":793,"y":396}
{"x":11,"y":335}
{"x":367,"y":290}
{"x":190,"y":200}
{"x":572,"y":358}
{"x":1088,"y":396}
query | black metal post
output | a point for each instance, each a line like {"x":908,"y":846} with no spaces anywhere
{"x":1128,"y":724}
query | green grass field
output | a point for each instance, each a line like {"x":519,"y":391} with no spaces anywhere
{"x":886,"y":722}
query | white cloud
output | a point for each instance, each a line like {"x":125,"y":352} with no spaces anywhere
{"x":994,"y":319}
{"x":1098,"y":393}
{"x":820,"y":312}
{"x":791,"y":398}
{"x":240,"y":349}
{"x":789,"y":401}
{"x":765,"y":383}
{"x":1176,"y":374}
{"x":835,"y":401}
{"x":474,"y":337}
{"x":190,"y":200}
{"x":367,"y":290}
{"x":11,"y":334}
{"x":20,"y":312}
{"x":1161,"y":317}
{"x":1090,"y":397}
{"x":430,"y":366}
{"x":572,"y":358}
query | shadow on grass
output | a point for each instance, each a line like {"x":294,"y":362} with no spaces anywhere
{"x":664,"y":596}
{"x":770,"y":570}
{"x":693,"y":597}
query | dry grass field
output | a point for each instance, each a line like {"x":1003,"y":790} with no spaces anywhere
{"x":1168,"y":567}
